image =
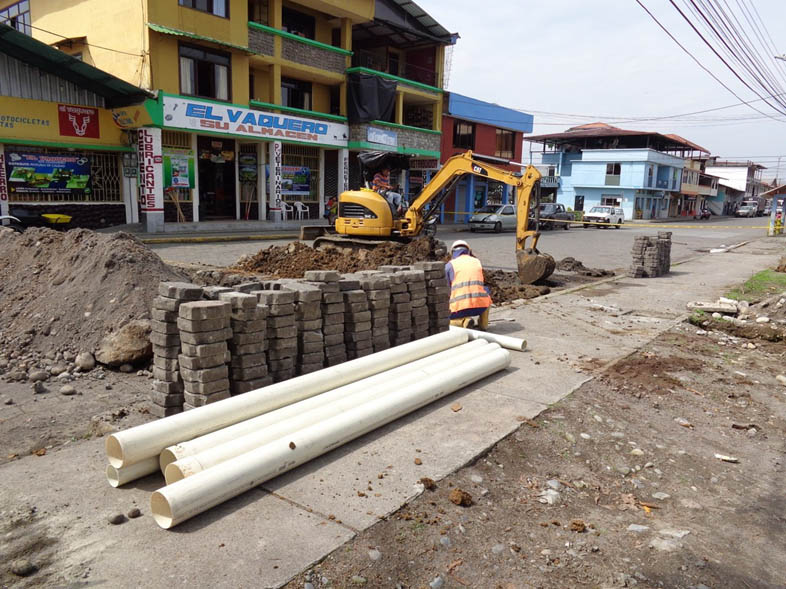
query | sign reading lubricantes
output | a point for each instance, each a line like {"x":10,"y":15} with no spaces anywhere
{"x":151,"y":176}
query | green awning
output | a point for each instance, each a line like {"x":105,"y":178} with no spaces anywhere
{"x":188,"y":35}
{"x":116,"y":92}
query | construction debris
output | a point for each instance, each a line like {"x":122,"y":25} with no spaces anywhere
{"x":651,"y":256}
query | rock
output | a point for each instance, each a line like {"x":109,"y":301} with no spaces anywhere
{"x":116,"y":519}
{"x":661,"y":496}
{"x":445,"y":541}
{"x":134,"y":513}
{"x":23,"y":567}
{"x":637,"y":452}
{"x":762,"y":319}
{"x":637,"y":528}
{"x":664,"y":544}
{"x":85,"y":361}
{"x":58,"y":369}
{"x":498,"y":548}
{"x":585,"y":436}
{"x":672,"y":533}
{"x":8,"y":401}
{"x":67,"y":390}
{"x":683,"y":422}
{"x":476,"y":478}
{"x":726,"y":306}
{"x":308,"y":585}
{"x":358,"y":580}
{"x":459,"y":497}
{"x":701,"y":332}
{"x":578,"y":525}
{"x":127,"y":368}
{"x":374,"y":554}
{"x":618,"y":435}
{"x":570,"y":437}
{"x":128,"y":345}
{"x":549,"y":497}
{"x":437,"y":582}
{"x":428,"y":484}
{"x":38,"y":375}
{"x":553,"y":484}
{"x":781,"y":378}
{"x":39,"y":388}
{"x":716,"y":315}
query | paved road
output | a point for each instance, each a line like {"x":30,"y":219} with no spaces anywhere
{"x":599,"y":248}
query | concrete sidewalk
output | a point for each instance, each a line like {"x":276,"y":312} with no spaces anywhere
{"x":269,"y":534}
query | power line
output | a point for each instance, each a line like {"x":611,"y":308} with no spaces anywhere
{"x":7,"y":21}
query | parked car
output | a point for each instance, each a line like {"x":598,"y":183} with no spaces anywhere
{"x":494,"y":217}
{"x":550,"y":211}
{"x":603,"y":214}
{"x":767,"y":210}
{"x":746,"y":211}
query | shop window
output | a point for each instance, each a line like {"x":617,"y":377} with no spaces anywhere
{"x":17,"y":16}
{"x":204,"y":73}
{"x":506,"y":147}
{"x":295,"y":93}
{"x":297,"y":23}
{"x":215,"y":7}
{"x":464,"y":135}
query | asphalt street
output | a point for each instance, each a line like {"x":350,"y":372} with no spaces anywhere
{"x":596,"y":247}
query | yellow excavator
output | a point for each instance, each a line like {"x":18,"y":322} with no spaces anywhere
{"x":365,"y":218}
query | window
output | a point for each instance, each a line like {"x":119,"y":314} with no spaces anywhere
{"x":295,"y":93}
{"x":578,"y":203}
{"x":204,"y":73}
{"x":297,"y":23}
{"x":216,"y":7}
{"x":612,"y":169}
{"x":18,"y":16}
{"x":464,"y":135}
{"x":505,"y":144}
{"x":508,"y":210}
{"x":649,"y":175}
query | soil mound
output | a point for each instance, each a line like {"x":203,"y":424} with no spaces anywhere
{"x":67,"y":290}
{"x":506,"y":286}
{"x":291,"y":261}
{"x":574,"y":265}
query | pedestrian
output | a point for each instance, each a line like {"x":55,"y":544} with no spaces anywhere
{"x":331,"y":208}
{"x":381,"y":184}
{"x":469,"y":296}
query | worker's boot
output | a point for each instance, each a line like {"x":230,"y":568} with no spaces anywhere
{"x":465,"y":322}
{"x":483,"y":320}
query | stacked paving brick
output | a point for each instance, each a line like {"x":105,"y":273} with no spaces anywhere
{"x":167,"y":394}
{"x":357,"y":319}
{"x":281,"y":331}
{"x":377,"y":288}
{"x":437,"y":295}
{"x":248,"y":364}
{"x":332,"y":314}
{"x":400,"y":314}
{"x":416,"y":286}
{"x":308,"y":321}
{"x":651,"y":256}
{"x":204,"y":331}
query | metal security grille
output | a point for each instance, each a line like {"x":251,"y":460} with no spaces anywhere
{"x":105,"y":172}
{"x":303,"y":156}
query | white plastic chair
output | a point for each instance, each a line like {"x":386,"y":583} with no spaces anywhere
{"x":286,"y":210}
{"x":302,"y":210}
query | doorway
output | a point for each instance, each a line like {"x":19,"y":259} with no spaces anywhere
{"x":217,"y":198}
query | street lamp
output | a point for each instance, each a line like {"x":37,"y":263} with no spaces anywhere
{"x":781,"y":57}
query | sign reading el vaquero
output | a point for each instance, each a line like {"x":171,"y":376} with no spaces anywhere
{"x":78,"y":121}
{"x":196,"y":115}
{"x":151,"y":174}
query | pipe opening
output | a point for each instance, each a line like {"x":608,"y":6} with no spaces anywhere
{"x":161,"y":510}
{"x":173,"y":473}
{"x":114,"y":451}
{"x":166,"y":458}
{"x":113,"y":476}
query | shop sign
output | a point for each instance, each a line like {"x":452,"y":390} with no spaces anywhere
{"x":295,"y":181}
{"x":151,"y":185}
{"x":382,"y":136}
{"x":179,"y":168}
{"x":219,"y":118}
{"x":78,"y":121}
{"x":133,"y":117}
{"x":48,"y":173}
{"x":424,"y":164}
{"x":3,"y":185}
{"x":247,"y":167}
{"x":275,"y":173}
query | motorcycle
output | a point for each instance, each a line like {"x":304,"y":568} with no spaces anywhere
{"x":703,"y":214}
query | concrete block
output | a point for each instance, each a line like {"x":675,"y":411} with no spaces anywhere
{"x":381,"y":305}
{"x":282,"y":344}
{"x":168,"y":364}
{"x":205,"y":374}
{"x":166,"y":375}
{"x":283,"y":375}
{"x":437,"y":282}
{"x":284,"y":310}
{"x":308,"y":312}
{"x":334,"y":338}
{"x":314,"y":325}
{"x":161,"y":412}
{"x":201,"y":325}
{"x":281,"y":321}
{"x":183,"y":291}
{"x":166,"y":352}
{"x":330,"y":298}
{"x":310,"y":347}
{"x":167,"y":388}
{"x":282,"y":333}
{"x":165,"y":340}
{"x":414,"y":276}
{"x":332,"y":309}
{"x":417,"y":303}
{"x":355,"y":296}
{"x":359,"y":317}
{"x":257,"y":313}
{"x":378,"y":295}
{"x":346,"y":284}
{"x":211,"y":292}
{"x":429,"y":266}
{"x":375,"y":282}
{"x":204,"y":350}
{"x":275,"y":297}
{"x":205,"y":388}
{"x":201,"y":310}
{"x":354,"y":308}
{"x":192,"y":363}
{"x":392,"y":268}
{"x":398,"y":289}
{"x":311,"y":336}
{"x":166,"y":400}
{"x":248,"y":361}
{"x":197,"y":400}
{"x":256,"y":337}
{"x":402,"y":308}
{"x":239,"y":300}
{"x":336,"y":360}
{"x":248,"y":349}
{"x":309,"y":368}
{"x":239,"y":326}
{"x":399,"y":298}
{"x":380,"y":320}
{"x":360,"y":336}
{"x":247,"y":287}
{"x":206,"y":337}
{"x":312,"y":357}
{"x":168,"y":316}
{"x":331,"y":321}
{"x":282,"y":364}
{"x":305,"y":293}
{"x":249,"y":373}
{"x":322,"y":275}
{"x":240,"y":387}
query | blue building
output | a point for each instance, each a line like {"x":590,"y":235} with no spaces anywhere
{"x":598,"y":164}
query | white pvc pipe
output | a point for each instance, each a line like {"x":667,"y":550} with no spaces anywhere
{"x":143,"y":441}
{"x":235,"y":446}
{"x":188,"y":448}
{"x":506,"y":341}
{"x":126,"y":474}
{"x":184,"y":499}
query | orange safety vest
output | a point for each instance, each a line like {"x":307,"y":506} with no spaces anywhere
{"x":467,"y":291}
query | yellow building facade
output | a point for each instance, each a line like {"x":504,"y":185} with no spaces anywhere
{"x":257,"y":101}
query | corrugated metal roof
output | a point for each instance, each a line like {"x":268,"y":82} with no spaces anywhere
{"x":423,"y":17}
{"x":189,"y":35}
{"x":27,"y":50}
{"x":601,"y":130}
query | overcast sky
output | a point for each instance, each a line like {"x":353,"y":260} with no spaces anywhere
{"x":607,"y":59}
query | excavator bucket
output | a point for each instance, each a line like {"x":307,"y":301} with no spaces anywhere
{"x":533,"y":265}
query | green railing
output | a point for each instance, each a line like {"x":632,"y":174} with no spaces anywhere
{"x":290,"y":36}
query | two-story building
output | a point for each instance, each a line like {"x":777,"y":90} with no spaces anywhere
{"x":259,"y":102}
{"x":599,"y":164}
{"x":699,"y":189}
{"x":739,"y":181}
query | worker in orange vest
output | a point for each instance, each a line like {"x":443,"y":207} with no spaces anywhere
{"x":469,"y":296}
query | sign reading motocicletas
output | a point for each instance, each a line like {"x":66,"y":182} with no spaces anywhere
{"x":219,"y":118}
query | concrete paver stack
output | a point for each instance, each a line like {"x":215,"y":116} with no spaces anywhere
{"x":357,"y":319}
{"x":651,"y":256}
{"x":332,"y":314}
{"x":437,"y":295}
{"x":204,"y":331}
{"x":400,"y":316}
{"x":416,"y":286}
{"x":248,"y":364}
{"x":377,"y":288}
{"x":308,"y":321}
{"x":281,"y":331}
{"x":167,"y":394}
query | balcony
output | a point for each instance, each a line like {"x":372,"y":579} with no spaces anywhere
{"x":405,"y":74}
{"x":261,"y":40}
{"x":393,"y":137}
{"x":612,"y":180}
{"x":549,"y":181}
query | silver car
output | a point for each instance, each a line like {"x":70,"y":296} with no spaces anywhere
{"x":494,"y":217}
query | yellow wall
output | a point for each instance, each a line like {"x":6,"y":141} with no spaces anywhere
{"x":261,"y":85}
{"x":231,"y":30}
{"x":357,"y":10}
{"x":320,"y":95}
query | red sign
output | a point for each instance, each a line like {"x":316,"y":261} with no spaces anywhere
{"x":78,"y":121}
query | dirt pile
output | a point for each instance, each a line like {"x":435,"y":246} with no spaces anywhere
{"x":68,"y":290}
{"x":781,"y":267}
{"x":506,"y":286}
{"x":291,"y":261}
{"x":574,"y":265}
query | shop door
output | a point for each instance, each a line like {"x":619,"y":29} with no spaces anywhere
{"x":217,"y":196}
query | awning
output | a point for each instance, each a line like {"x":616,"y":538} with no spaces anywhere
{"x":178,"y":33}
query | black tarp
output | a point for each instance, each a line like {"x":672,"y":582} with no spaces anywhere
{"x":372,"y":162}
{"x":370,"y":98}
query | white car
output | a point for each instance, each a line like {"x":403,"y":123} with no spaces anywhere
{"x":603,"y":214}
{"x":494,"y":217}
{"x":746,"y":211}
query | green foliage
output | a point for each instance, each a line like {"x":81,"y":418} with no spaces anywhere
{"x":758,"y":286}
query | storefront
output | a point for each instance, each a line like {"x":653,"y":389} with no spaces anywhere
{"x":214,"y":162}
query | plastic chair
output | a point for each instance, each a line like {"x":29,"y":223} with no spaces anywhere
{"x":302,"y":210}
{"x":287,"y":210}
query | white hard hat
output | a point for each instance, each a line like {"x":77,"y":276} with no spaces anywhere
{"x":460,"y":243}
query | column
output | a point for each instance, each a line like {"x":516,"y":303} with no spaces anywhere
{"x":237,"y":181}
{"x":4,"y":185}
{"x":400,"y":108}
{"x":195,"y":190}
{"x":275,"y":159}
{"x":505,"y":188}
{"x":343,"y":170}
{"x":321,"y":194}
{"x":261,"y":185}
{"x":151,"y":178}
{"x":470,"y":198}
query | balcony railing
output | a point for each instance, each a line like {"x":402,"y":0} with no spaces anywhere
{"x":374,"y":61}
{"x":261,"y":40}
{"x":549,"y":181}
{"x":612,"y":180}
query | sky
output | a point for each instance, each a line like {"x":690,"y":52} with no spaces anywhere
{"x":607,"y":60}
